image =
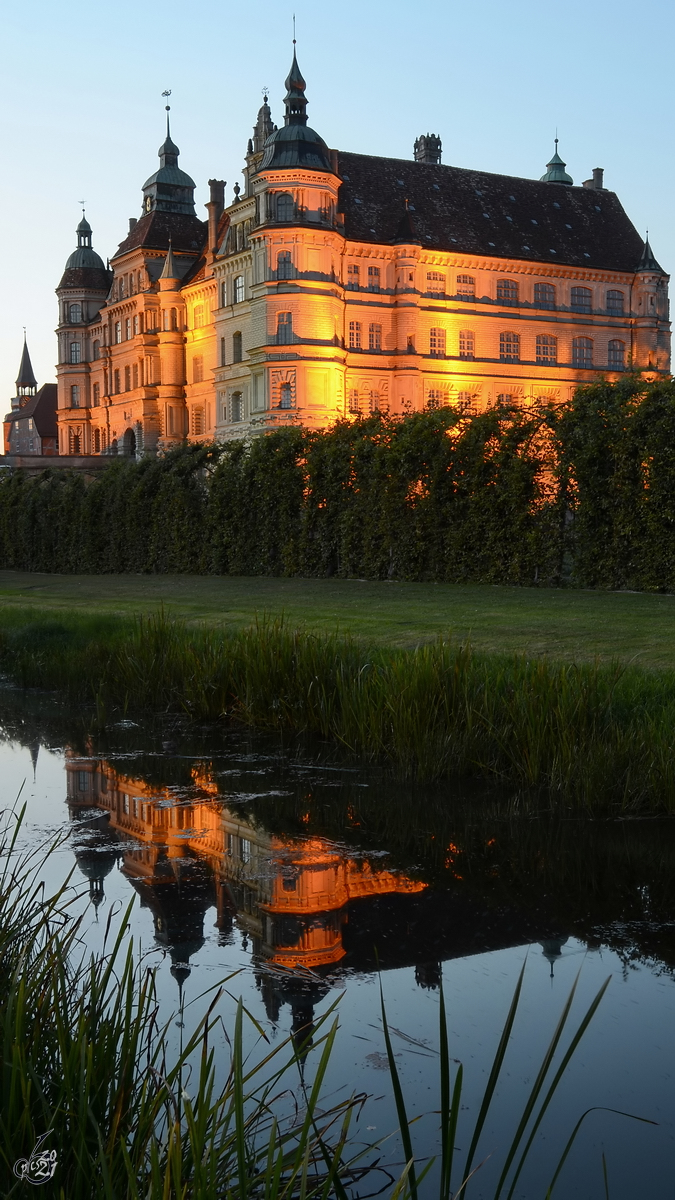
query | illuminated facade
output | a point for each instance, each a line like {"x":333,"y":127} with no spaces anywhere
{"x":336,"y":284}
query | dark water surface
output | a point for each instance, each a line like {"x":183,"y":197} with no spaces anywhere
{"x":301,"y":873}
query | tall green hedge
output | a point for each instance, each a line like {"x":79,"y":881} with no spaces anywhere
{"x":583,"y":493}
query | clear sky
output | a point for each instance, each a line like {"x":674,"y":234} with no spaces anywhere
{"x":82,"y":112}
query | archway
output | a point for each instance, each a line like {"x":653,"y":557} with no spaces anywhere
{"x":129,"y":443}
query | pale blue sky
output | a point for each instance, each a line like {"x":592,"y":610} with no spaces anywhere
{"x":82,"y":111}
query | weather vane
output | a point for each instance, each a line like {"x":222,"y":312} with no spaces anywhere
{"x":166,"y":95}
{"x":82,"y":204}
{"x":293,"y":28}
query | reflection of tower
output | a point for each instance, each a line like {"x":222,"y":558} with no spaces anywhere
{"x":552,"y":949}
{"x":428,"y":975}
{"x":178,"y":896}
{"x":96,"y":851}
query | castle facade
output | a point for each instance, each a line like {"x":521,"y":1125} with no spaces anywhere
{"x":336,"y":284}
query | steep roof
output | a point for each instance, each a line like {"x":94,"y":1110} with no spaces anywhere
{"x":42,"y":408}
{"x":155,"y":229}
{"x":474,"y":212}
{"x":26,"y":376}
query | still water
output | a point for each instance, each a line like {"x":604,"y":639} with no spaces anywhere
{"x":302,"y":874}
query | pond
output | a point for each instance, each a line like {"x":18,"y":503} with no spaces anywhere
{"x":314,"y":879}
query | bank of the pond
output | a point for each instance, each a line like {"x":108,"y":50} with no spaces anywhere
{"x":591,"y":736}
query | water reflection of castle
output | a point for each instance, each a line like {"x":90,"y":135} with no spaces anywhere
{"x":309,"y":907}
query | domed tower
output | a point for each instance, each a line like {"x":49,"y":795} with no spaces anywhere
{"x":82,"y":292}
{"x":555,"y":170}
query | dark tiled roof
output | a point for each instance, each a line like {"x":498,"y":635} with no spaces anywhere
{"x":473,"y":212}
{"x":42,"y":408}
{"x":86,"y":278}
{"x":156,"y":228}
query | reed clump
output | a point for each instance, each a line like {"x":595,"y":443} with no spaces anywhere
{"x":598,"y":737}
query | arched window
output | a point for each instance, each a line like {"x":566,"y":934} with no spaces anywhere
{"x":97,"y":395}
{"x":466,"y":287}
{"x":373,"y":279}
{"x":197,"y":369}
{"x":118,"y":332}
{"x":117,"y":382}
{"x":75,"y":352}
{"x":354,"y":335}
{"x":353,"y":276}
{"x":286,"y":396}
{"x":285,"y":207}
{"x":374,"y":337}
{"x":615,"y":302}
{"x":544,"y":295}
{"x":509,"y":347}
{"x":75,"y":314}
{"x":616,"y":354}
{"x":97,"y":440}
{"x":507,"y":291}
{"x":97,"y":350}
{"x":237,"y":354}
{"x":127,"y":379}
{"x":238,"y":290}
{"x":236,"y":407}
{"x":467,"y":343}
{"x":437,"y":343}
{"x":73,"y":441}
{"x":284,"y":328}
{"x":199,"y":316}
{"x":75,"y":396}
{"x":582,"y":352}
{"x":547,"y":348}
{"x":284,"y":265}
{"x":581,"y":299}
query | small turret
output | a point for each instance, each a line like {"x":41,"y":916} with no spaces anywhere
{"x":295,"y":144}
{"x":427,"y":148}
{"x":169,"y":189}
{"x":556,"y":172}
{"x":26,"y":383}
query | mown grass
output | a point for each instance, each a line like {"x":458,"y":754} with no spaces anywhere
{"x":596,"y":737}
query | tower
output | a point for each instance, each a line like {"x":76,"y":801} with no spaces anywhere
{"x":555,"y":170}
{"x":651,"y":331}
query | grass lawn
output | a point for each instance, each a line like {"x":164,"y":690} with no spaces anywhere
{"x":571,"y":625}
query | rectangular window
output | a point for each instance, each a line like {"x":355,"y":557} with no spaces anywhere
{"x":245,"y":850}
{"x":284,"y":265}
{"x":97,"y":350}
{"x":509,"y":347}
{"x":615,"y":302}
{"x":239,"y":289}
{"x":466,"y":287}
{"x":581,"y":299}
{"x":199,"y":316}
{"x":437,"y":343}
{"x":137,"y":325}
{"x":547,"y":348}
{"x":353,"y":276}
{"x":284,"y":328}
{"x":353,"y":405}
{"x":74,"y":352}
{"x":374,"y":337}
{"x":507,"y":291}
{"x":582,"y":352}
{"x":97,"y":395}
{"x":223,"y":295}
{"x":223,"y":355}
{"x":373,"y":279}
{"x":127,"y":379}
{"x":127,"y":329}
{"x":237,"y":407}
{"x":465,"y":402}
{"x":354,"y":335}
{"x":237,"y":351}
{"x":125,"y":802}
{"x":198,"y":421}
{"x":435,"y":398}
{"x":116,"y":377}
{"x":82,"y":781}
{"x":197,"y":369}
{"x":118,"y":332}
{"x":467,"y":343}
{"x":616,"y":355}
{"x":75,"y":396}
{"x":134,"y":372}
{"x":286,"y":395}
{"x":435,"y":283}
{"x":544,"y":295}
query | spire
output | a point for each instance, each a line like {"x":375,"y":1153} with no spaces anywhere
{"x":556,"y":172}
{"x":169,"y":189}
{"x":263,"y":127}
{"x":169,"y":271}
{"x":647,"y":261}
{"x":295,"y":99}
{"x":406,"y":229}
{"x":26,"y":383}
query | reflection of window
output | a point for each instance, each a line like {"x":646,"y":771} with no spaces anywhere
{"x":238,"y":292}
{"x":437,"y":343}
{"x":582,"y":351}
{"x":466,"y":286}
{"x":284,"y":328}
{"x":581,"y":299}
{"x":285,"y":207}
{"x":237,"y":407}
{"x":615,"y":303}
{"x":245,"y":850}
{"x":75,"y":396}
{"x":374,"y":337}
{"x":544,"y":295}
{"x":284,"y":265}
{"x":75,"y":313}
{"x":509,"y":347}
{"x":353,"y":276}
{"x":507,"y":291}
{"x":236,"y":348}
{"x":373,"y":279}
{"x":197,"y":369}
{"x":616,"y":354}
{"x":125,"y":802}
{"x":547,"y":348}
{"x":82,"y":781}
{"x":286,"y":396}
{"x":354,"y":335}
{"x":74,"y":352}
{"x":467,"y":343}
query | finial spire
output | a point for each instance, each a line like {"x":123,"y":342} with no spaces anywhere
{"x":295,"y":99}
{"x":166,"y":95}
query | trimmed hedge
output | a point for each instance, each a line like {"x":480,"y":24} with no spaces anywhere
{"x":581,"y":493}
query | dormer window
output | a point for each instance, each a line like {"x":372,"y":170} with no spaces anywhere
{"x":285,"y":207}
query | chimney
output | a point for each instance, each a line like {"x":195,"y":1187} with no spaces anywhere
{"x":132,"y":222}
{"x":596,"y":183}
{"x":333,"y":161}
{"x":427,"y":148}
{"x":215,"y":208}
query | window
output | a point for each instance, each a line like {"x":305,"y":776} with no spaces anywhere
{"x":75,"y":396}
{"x":435,"y":398}
{"x":198,"y":421}
{"x":509,"y":347}
{"x":236,"y":348}
{"x":223,"y":295}
{"x":616,"y":354}
{"x":82,"y":781}
{"x":127,"y":379}
{"x":353,"y":276}
{"x":437,"y":343}
{"x":118,"y":332}
{"x":467,"y":343}
{"x":245,"y":850}
{"x":97,"y":441}
{"x":137,"y":324}
{"x":237,"y":407}
{"x":582,"y":352}
{"x":197,"y":369}
{"x":375,"y":401}
{"x":199,"y":316}
{"x":121,"y":288}
{"x":547,"y":348}
{"x":507,"y":291}
{"x":464,"y":402}
{"x":466,"y":286}
{"x":134,"y":373}
{"x":284,"y":265}
{"x":505,"y":398}
{"x":75,"y":313}
{"x":238,"y":289}
{"x":436,"y":283}
{"x":285,"y":207}
{"x":354,"y":335}
{"x":353,"y":405}
{"x":116,"y":378}
{"x":127,"y":329}
{"x":581,"y":299}
{"x":374,"y":337}
{"x":97,"y":395}
{"x":284,"y":328}
{"x":373,"y":279}
{"x":73,"y":442}
{"x":97,"y":350}
{"x":125,"y":801}
{"x":615,"y":303}
{"x":74,"y":352}
{"x":544,"y":295}
{"x":286,"y":396}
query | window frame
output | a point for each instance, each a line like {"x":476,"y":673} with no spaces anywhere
{"x":354,"y":333}
{"x":579,"y":305}
{"x":437,"y":342}
{"x":582,"y":344}
{"x":374,"y":336}
{"x":546,"y":342}
{"x":468,"y":337}
{"x":508,"y":292}
{"x":508,"y":336}
{"x":238,"y":289}
{"x":284,"y":338}
{"x":549,"y":300}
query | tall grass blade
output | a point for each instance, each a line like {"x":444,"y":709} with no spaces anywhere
{"x":400,"y":1104}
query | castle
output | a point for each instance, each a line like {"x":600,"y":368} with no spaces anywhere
{"x":336,"y":284}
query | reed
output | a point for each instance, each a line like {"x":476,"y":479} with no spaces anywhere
{"x":592,"y":736}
